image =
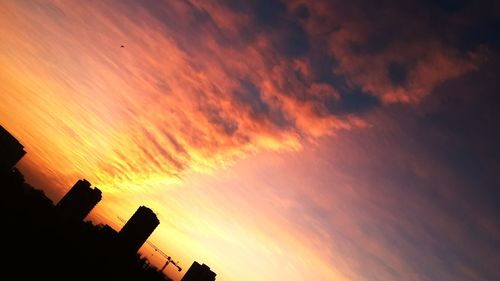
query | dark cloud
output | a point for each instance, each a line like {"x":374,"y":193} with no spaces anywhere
{"x":389,"y":47}
{"x":395,"y":43}
{"x":268,"y":12}
{"x":294,"y":41}
{"x":204,"y":83}
{"x":464,"y":115}
{"x":250,"y":96}
{"x":303,"y":68}
{"x":397,"y":74}
{"x":218,"y":119}
{"x":449,"y":5}
{"x":356,"y":101}
{"x":302,"y":12}
{"x":444,"y":177}
{"x":486,"y":31}
{"x":273,"y":20}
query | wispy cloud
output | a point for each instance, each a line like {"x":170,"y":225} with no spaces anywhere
{"x":187,"y":91}
{"x":198,"y":85}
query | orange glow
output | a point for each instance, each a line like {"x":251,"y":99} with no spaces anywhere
{"x":226,"y":142}
{"x":135,"y":120}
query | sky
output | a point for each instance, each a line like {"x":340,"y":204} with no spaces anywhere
{"x":275,"y":140}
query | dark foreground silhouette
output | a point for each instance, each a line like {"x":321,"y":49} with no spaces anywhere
{"x":39,"y":243}
{"x":46,"y":242}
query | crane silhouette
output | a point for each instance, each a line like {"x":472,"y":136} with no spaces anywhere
{"x":169,"y":259}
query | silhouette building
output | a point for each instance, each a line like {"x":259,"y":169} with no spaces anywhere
{"x":138,"y":228}
{"x":79,"y":201}
{"x":199,"y":272}
{"x":11,"y":150}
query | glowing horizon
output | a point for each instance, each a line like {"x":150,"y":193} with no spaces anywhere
{"x":279,"y":142}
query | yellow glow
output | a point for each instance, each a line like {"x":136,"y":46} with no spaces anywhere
{"x":134,"y":121}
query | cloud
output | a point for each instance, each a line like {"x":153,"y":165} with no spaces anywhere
{"x":200,"y":84}
{"x":394,"y":51}
{"x":193,"y":88}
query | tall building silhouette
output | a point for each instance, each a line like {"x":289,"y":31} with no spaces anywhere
{"x":79,"y":201}
{"x":138,"y":228}
{"x":11,"y":150}
{"x":199,"y":272}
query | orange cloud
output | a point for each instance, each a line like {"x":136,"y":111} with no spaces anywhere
{"x":158,"y":106}
{"x":391,"y":51}
{"x":199,"y":85}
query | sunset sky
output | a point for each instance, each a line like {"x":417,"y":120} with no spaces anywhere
{"x":276,"y":140}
